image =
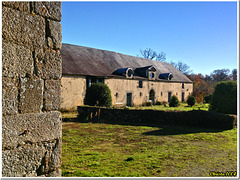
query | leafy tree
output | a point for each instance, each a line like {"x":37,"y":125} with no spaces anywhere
{"x":148,"y":53}
{"x":184,"y":68}
{"x":224,"y":98}
{"x":191,"y":100}
{"x":174,"y":102}
{"x":211,"y":84}
{"x":208,"y":98}
{"x":98,"y":95}
{"x":200,"y":87}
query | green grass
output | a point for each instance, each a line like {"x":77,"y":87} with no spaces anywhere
{"x":69,"y":115}
{"x":105,"y":150}
{"x":182,"y":107}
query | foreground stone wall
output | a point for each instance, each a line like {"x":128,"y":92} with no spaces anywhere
{"x":197,"y":118}
{"x":31,"y":75}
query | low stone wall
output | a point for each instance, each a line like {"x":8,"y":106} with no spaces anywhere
{"x":195,"y":118}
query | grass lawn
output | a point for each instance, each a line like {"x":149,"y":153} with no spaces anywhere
{"x":182,"y":107}
{"x":105,"y":150}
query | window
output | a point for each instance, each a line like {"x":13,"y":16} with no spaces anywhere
{"x":140,"y":94}
{"x":140,"y":84}
{"x":89,"y":82}
{"x":182,"y":85}
{"x":161,"y":93}
{"x":151,"y":75}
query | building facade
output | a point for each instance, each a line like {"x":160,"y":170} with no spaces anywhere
{"x":132,"y":80}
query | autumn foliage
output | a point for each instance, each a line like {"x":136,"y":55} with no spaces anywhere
{"x":200,"y":87}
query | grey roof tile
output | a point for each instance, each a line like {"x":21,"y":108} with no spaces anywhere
{"x":79,"y":60}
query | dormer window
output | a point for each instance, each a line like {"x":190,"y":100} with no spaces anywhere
{"x":147,"y":72}
{"x":127,"y":72}
{"x":152,"y":75}
{"x":167,"y":76}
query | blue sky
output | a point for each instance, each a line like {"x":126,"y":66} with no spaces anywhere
{"x":201,"y":34}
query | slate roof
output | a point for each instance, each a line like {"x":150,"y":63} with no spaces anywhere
{"x":79,"y":60}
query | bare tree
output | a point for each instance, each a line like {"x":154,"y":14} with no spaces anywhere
{"x":234,"y":75}
{"x":148,"y":53}
{"x":220,"y":75}
{"x":184,"y":68}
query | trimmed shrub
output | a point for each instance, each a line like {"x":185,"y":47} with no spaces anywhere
{"x":224,"y":98}
{"x":207,"y":99}
{"x":98,"y":95}
{"x":174,"y":102}
{"x":191,"y":100}
{"x":148,"y":103}
{"x":158,"y":103}
{"x":165,"y":103}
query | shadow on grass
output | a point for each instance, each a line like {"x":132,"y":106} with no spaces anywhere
{"x":164,"y":130}
{"x":172,"y":130}
{"x":70,"y":120}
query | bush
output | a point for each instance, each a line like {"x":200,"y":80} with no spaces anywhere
{"x":207,"y":99}
{"x":165,"y":103}
{"x":224,"y":98}
{"x":148,"y":103}
{"x":191,"y":100}
{"x":158,"y":103}
{"x":98,"y":95}
{"x":174,"y":102}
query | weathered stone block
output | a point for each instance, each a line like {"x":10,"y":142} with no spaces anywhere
{"x":52,"y":160}
{"x":23,"y":28}
{"x":50,"y":10}
{"x":48,"y":64}
{"x":31,"y":95}
{"x":23,"y":161}
{"x":9,"y":96}
{"x":21,"y":6}
{"x":32,"y":159}
{"x":56,"y":173}
{"x":51,"y":97}
{"x":20,"y":129}
{"x":54,"y":34}
{"x":17,"y":60}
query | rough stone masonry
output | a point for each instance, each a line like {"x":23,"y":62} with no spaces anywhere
{"x":31,"y":74}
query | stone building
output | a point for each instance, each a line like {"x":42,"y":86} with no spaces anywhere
{"x":132,"y":80}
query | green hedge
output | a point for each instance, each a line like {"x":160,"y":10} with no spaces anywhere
{"x":224,"y":98}
{"x":196,"y":118}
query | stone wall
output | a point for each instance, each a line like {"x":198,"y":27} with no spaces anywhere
{"x":197,"y":118}
{"x":73,"y":90}
{"x":31,"y":75}
{"x":120,"y":87}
